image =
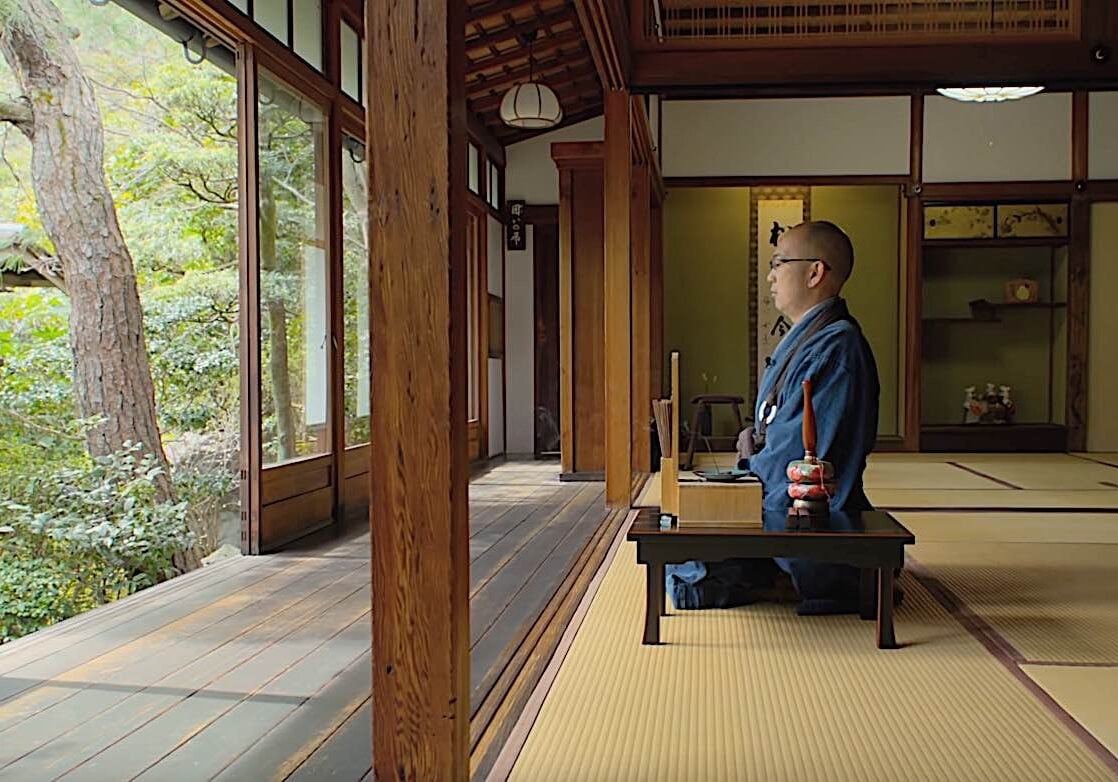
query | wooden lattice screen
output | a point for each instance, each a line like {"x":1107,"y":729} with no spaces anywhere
{"x":759,"y":22}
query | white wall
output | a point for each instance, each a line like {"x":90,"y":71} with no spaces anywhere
{"x":1027,"y":139}
{"x":520,"y":348}
{"x":495,"y":233}
{"x":1102,"y":143}
{"x":530,"y":173}
{"x":786,"y":137}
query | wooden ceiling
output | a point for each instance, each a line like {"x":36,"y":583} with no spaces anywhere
{"x":497,"y":59}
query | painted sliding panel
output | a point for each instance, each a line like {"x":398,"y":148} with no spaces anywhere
{"x":1026,"y":140}
{"x":786,"y":137}
{"x":1102,"y":143}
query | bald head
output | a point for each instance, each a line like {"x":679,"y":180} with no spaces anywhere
{"x":827,"y":241}
{"x":796,"y":284}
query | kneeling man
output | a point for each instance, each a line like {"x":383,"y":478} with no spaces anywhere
{"x":811,"y":263}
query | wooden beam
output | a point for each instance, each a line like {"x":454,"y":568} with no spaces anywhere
{"x":618,"y":399}
{"x":913,"y":276}
{"x":418,"y":478}
{"x":540,"y":68}
{"x":494,"y":149}
{"x":584,"y":75}
{"x":607,"y":36}
{"x":477,"y":13}
{"x":540,"y":48}
{"x":641,"y":371}
{"x":510,"y":33}
{"x":1080,"y":133}
{"x":556,"y":75}
{"x":248,"y":186}
{"x":771,"y":71}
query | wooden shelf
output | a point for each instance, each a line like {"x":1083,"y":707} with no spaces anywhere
{"x":994,"y":437}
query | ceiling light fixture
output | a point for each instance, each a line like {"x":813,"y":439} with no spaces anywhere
{"x":988,"y":94}
{"x":531,"y":105}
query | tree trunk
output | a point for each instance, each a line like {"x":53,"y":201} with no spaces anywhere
{"x":277,"y":326}
{"x":112,"y":376}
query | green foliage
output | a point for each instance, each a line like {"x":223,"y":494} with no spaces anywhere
{"x":86,"y":535}
{"x":76,"y":532}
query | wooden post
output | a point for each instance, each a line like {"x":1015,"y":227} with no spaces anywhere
{"x":418,"y":468}
{"x":618,"y":173}
{"x":642,"y":324}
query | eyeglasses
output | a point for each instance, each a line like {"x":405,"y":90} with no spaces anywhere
{"x":776,"y":262}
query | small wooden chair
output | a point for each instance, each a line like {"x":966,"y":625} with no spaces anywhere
{"x":705,"y":402}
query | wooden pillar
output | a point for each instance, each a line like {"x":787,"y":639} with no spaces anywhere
{"x":418,"y":470}
{"x":1079,"y":278}
{"x":581,"y":309}
{"x":618,"y":396}
{"x":656,"y":296}
{"x":642,"y":325}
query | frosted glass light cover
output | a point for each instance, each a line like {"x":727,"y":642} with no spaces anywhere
{"x":531,"y":106}
{"x":988,"y":94}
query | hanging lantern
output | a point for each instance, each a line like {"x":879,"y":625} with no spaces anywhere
{"x":531,"y":105}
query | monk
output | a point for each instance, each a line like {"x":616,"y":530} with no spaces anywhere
{"x":812,"y":262}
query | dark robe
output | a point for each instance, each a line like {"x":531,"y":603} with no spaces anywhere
{"x":845,"y":392}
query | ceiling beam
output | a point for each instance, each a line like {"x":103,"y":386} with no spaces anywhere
{"x":607,"y":36}
{"x":477,"y":13}
{"x":511,"y":77}
{"x":511,"y":33}
{"x":541,"y":46}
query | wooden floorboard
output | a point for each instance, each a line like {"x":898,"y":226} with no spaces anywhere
{"x":259,"y":668}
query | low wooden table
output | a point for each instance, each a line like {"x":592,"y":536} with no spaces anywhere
{"x":873,"y":541}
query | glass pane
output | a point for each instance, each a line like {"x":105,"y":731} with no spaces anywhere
{"x":361,"y":73}
{"x":308,"y":31}
{"x":494,"y":187}
{"x":240,"y":5}
{"x":473,"y":258}
{"x":272,"y":16}
{"x":472,"y":163}
{"x":293,"y":280}
{"x":355,"y":240}
{"x":351,"y":65}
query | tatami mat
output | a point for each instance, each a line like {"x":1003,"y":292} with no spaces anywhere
{"x":1041,"y":528}
{"x":993,"y":499}
{"x":884,"y":472}
{"x":1056,"y":602}
{"x":759,"y":693}
{"x":1088,"y":693}
{"x":1044,"y":471}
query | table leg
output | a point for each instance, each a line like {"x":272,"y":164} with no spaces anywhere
{"x":866,"y":608}
{"x":661,"y":599}
{"x":885,"y":637}
{"x":654,"y":591}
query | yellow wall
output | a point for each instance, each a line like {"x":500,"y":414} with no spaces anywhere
{"x":706,"y":292}
{"x":1102,"y":369}
{"x":870,"y":215}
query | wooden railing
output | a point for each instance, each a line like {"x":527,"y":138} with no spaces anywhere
{"x":786,"y":23}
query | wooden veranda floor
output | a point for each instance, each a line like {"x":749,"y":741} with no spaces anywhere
{"x":259,"y":667}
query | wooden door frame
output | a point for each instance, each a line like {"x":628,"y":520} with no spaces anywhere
{"x":478,"y":428}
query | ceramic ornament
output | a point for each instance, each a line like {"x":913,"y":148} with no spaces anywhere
{"x":810,"y":479}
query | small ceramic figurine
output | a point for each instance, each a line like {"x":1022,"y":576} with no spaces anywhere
{"x":972,"y":408}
